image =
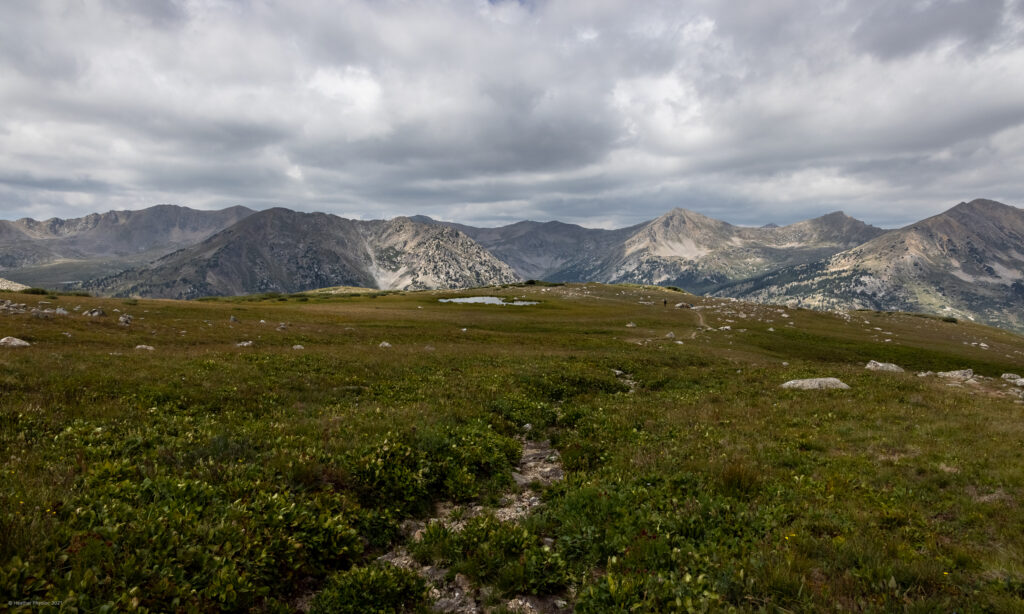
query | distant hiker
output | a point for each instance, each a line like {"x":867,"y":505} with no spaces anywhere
{"x":664,"y":302}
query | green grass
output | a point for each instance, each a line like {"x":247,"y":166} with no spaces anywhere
{"x":203,"y":475}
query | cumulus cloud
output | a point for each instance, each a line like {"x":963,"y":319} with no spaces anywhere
{"x":601,"y":113}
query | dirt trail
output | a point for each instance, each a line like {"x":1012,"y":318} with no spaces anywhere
{"x":540,"y":464}
{"x":700,"y":323}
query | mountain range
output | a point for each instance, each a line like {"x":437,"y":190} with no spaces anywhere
{"x":966,"y":262}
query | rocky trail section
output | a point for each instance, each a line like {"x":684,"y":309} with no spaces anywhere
{"x":541,"y":465}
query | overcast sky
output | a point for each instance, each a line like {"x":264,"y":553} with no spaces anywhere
{"x":598,"y":112}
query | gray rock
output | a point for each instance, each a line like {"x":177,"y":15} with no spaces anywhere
{"x":60,"y":311}
{"x":148,"y":348}
{"x":14,"y":342}
{"x":1010,"y":376}
{"x":883,"y":366}
{"x":384,"y":344}
{"x":962,"y":374}
{"x":125,"y":319}
{"x":232,"y":319}
{"x":670,"y":335}
{"x":298,"y":347}
{"x":95,"y":312}
{"x":815,"y":383}
{"x":244,"y":344}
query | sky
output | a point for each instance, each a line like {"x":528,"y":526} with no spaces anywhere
{"x":603,"y":113}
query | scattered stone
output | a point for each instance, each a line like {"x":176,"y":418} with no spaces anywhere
{"x":298,"y":347}
{"x":14,"y":342}
{"x":244,"y":344}
{"x":771,"y":329}
{"x":883,"y":366}
{"x":9,"y":306}
{"x":925,"y":373}
{"x":520,"y":606}
{"x":428,"y":348}
{"x":66,"y":334}
{"x":263,"y":321}
{"x":384,"y":344}
{"x":232,"y":319}
{"x":1010,"y":376}
{"x":95,"y":312}
{"x":631,"y":325}
{"x":962,"y":374}
{"x":125,"y":320}
{"x":148,"y":348}
{"x":816,"y":383}
{"x":670,"y":335}
{"x":282,"y":326}
{"x":60,"y":311}
{"x":785,"y":364}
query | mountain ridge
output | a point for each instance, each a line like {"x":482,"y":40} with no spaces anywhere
{"x":966,"y":262}
{"x":280,"y":250}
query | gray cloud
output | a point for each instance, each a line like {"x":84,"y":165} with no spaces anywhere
{"x":895,"y":29}
{"x":601,"y":113}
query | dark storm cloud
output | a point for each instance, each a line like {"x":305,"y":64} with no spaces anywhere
{"x":604,"y":112}
{"x":895,"y":29}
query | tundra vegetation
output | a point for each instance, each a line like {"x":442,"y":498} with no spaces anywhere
{"x":202,"y":475}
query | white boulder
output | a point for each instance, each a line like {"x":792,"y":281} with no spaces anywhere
{"x":883,"y":366}
{"x":816,"y":383}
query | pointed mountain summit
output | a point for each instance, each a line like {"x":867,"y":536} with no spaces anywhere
{"x":686,"y":249}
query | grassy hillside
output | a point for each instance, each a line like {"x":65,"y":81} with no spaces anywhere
{"x":203,"y":475}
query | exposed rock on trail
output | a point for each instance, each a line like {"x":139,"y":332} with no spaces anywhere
{"x":626,"y":379}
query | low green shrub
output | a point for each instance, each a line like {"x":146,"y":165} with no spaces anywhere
{"x":488,"y":551}
{"x":373,"y":589}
